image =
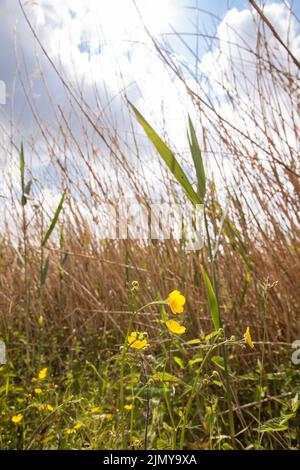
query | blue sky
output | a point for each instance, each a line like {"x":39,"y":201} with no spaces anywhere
{"x":101,"y":47}
{"x":217,"y":7}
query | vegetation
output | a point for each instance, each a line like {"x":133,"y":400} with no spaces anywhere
{"x":121,"y":344}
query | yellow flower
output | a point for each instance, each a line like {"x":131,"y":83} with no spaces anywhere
{"x":43,"y":373}
{"x":248,"y":338}
{"x":175,"y":327}
{"x":50,"y":407}
{"x":96,"y":409}
{"x":176,"y":301}
{"x":17,"y":418}
{"x":41,"y":407}
{"x":33,"y":380}
{"x":77,"y":426}
{"x":38,"y":391}
{"x":70,"y":431}
{"x":137,"y":340}
{"x":128,"y":407}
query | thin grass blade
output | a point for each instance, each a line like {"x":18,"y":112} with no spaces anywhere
{"x":198,"y":162}
{"x":168,"y":157}
{"x":54,"y":220}
{"x":212,"y":299}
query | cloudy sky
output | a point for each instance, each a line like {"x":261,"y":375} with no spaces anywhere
{"x":102,"y":44}
{"x":95,"y":41}
{"x":103,"y":53}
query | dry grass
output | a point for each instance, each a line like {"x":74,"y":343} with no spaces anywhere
{"x":86,"y":289}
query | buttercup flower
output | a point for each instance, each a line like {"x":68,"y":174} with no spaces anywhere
{"x":176,"y":301}
{"x":128,"y":407}
{"x":50,"y":407}
{"x":70,"y":431}
{"x":38,"y":391}
{"x":43,"y":373}
{"x":96,"y":409}
{"x":175,"y":327}
{"x":248,"y":338}
{"x":77,"y":426}
{"x":137,"y":340}
{"x":17,"y":418}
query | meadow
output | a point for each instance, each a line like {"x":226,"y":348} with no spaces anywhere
{"x":125,"y":344}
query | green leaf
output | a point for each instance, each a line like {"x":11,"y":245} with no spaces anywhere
{"x":22,"y":168}
{"x":168,"y":157}
{"x":218,"y":361}
{"x":44,"y":271}
{"x":211,"y":335}
{"x":195,"y":361}
{"x":198,"y":162}
{"x":227,"y":446}
{"x":218,"y":383}
{"x":27,"y":188}
{"x":179,"y":362}
{"x":295,"y":403}
{"x":276,"y":424}
{"x":193,"y":341}
{"x":54,"y":220}
{"x":212,"y":299}
{"x":22,"y":175}
{"x":26,"y":193}
{"x":165,"y":377}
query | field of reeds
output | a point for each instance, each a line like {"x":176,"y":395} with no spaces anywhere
{"x":134,"y":344}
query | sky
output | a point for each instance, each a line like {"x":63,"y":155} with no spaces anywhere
{"x":96,"y":43}
{"x":101,"y":48}
{"x":78,"y":33}
{"x":102,"y":43}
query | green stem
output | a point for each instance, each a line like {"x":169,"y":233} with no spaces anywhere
{"x":259,"y":434}
{"x":156,"y":302}
{"x":190,"y":400}
{"x":123,"y":357}
{"x":224,"y":352}
{"x":26,"y":281}
{"x":174,"y":427}
{"x":131,"y":421}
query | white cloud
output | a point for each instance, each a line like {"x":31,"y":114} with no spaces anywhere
{"x":237,"y":46}
{"x":241,"y":75}
{"x":101,"y":47}
{"x":257,"y":101}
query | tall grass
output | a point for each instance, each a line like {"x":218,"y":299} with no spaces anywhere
{"x":69,"y":291}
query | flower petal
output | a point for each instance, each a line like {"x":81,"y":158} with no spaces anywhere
{"x":248,"y":338}
{"x":175,"y":327}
